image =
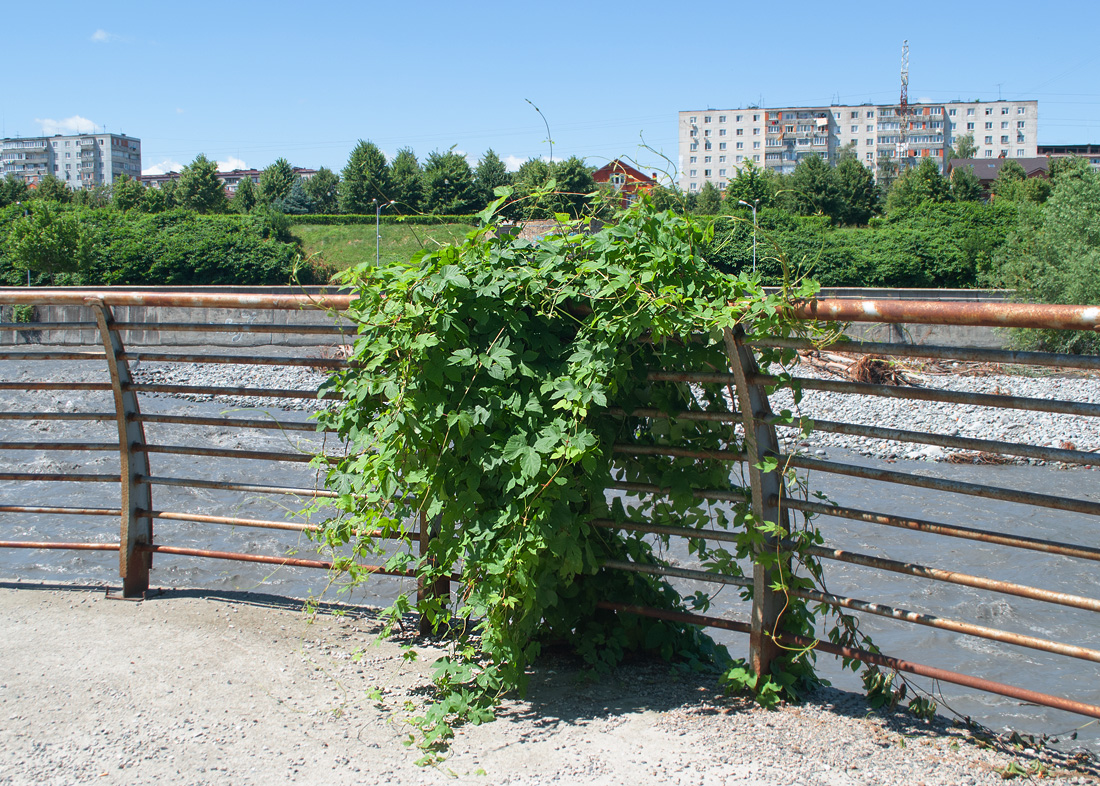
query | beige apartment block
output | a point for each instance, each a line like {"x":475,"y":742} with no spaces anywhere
{"x":715,"y":143}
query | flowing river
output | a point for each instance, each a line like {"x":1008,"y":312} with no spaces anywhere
{"x":1040,"y":671}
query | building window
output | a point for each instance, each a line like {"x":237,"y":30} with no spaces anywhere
{"x":1004,"y":140}
{"x":693,"y":172}
{"x":755,"y":145}
{"x":989,"y":110}
{"x":870,"y":156}
{"x":1019,"y":123}
{"x":740,"y":132}
{"x":738,"y":160}
{"x":855,"y":129}
{"x":706,"y":173}
{"x":721,"y":132}
{"x":756,"y":132}
{"x":692,"y":159}
{"x":870,"y":142}
{"x":740,"y":145}
{"x":1004,"y":153}
{"x":1020,"y":110}
{"x":951,"y":112}
{"x":969,"y":126}
{"x":722,"y":185}
{"x":694,"y":146}
{"x":721,"y":118}
{"x":1020,"y":139}
{"x":721,"y":159}
{"x":855,"y":114}
{"x":756,"y":158}
{"x":737,"y":118}
{"x":1020,"y":153}
{"x":1004,"y":110}
{"x":706,"y":159}
{"x":989,"y":140}
{"x":988,"y":126}
{"x":756,"y":118}
{"x":706,"y":118}
{"x":693,"y":132}
{"x":692,"y":119}
{"x":706,"y":145}
{"x":721,"y":145}
{"x":870,"y":114}
{"x":1004,"y":124}
{"x":694,"y":186}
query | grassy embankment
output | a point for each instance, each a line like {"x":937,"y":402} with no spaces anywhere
{"x":345,"y":246}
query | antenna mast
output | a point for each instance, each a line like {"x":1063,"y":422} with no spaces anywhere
{"x":903,"y":108}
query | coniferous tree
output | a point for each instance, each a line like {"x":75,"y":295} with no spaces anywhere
{"x":859,"y":196}
{"x":408,"y":184}
{"x":709,"y":202}
{"x":449,"y":185}
{"x":965,"y":186}
{"x":12,"y":189}
{"x":365,"y":179}
{"x":296,"y":203}
{"x":491,"y":173}
{"x":127,"y":193}
{"x":52,"y":189}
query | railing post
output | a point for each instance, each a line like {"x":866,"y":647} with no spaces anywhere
{"x":136,"y":498}
{"x":441,"y":588}
{"x":767,"y":487}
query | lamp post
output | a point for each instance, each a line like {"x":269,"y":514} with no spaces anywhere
{"x":377,"y":227}
{"x":755,"y":202}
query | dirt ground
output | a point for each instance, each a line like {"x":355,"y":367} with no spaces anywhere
{"x":194,"y":687}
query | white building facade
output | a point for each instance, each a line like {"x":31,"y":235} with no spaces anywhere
{"x":79,"y":161}
{"x":715,"y":144}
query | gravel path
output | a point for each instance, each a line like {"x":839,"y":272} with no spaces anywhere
{"x":194,"y":687}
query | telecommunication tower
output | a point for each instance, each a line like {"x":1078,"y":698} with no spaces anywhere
{"x":903,"y":109}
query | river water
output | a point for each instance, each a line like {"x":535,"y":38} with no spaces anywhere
{"x":1015,"y":665}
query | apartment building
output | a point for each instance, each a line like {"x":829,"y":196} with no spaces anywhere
{"x":1090,"y":153}
{"x":230,"y":179}
{"x":79,"y":161}
{"x":715,"y":144}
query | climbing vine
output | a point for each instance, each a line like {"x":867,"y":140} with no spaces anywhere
{"x":497,"y":389}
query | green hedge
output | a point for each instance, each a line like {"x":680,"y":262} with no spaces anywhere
{"x":369,"y":218}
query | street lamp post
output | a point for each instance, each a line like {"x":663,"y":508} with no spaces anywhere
{"x":755,"y":202}
{"x":378,"y":226}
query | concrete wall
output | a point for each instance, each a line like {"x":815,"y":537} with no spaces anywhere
{"x":152,"y":336}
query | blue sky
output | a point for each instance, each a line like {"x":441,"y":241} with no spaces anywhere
{"x":246,"y":82}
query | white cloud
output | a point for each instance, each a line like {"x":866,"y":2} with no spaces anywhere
{"x":179,"y":110}
{"x":925,"y":100}
{"x":512,"y":163}
{"x":70,"y":125}
{"x":230,"y":164}
{"x":101,"y":36}
{"x":165,"y":166}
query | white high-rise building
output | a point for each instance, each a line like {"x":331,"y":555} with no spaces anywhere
{"x":78,"y":161}
{"x":715,"y":143}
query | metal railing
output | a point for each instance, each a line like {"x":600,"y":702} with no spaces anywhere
{"x":750,"y":415}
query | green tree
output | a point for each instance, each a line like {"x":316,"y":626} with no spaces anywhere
{"x":276,"y":181}
{"x":530,"y":182}
{"x":858,"y":194}
{"x":47,"y":240}
{"x":918,"y":184}
{"x":157,"y":200}
{"x":1014,"y":185}
{"x":574,"y":186}
{"x":296,"y":203}
{"x":96,"y":196}
{"x":710,"y":200}
{"x":668,"y":198}
{"x":52,"y":189}
{"x":1068,"y":166}
{"x":751,"y":185}
{"x":887,"y":173}
{"x":365,"y":180}
{"x":491,"y":173}
{"x":199,"y":188}
{"x":1055,"y":258}
{"x":127,"y":193}
{"x":449,"y":187}
{"x":965,"y":147}
{"x":812,"y":189}
{"x":323,"y":189}
{"x":12,"y":190}
{"x":244,"y":198}
{"x":965,"y":186}
{"x":408,"y":183}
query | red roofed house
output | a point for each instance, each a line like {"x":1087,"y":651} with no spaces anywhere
{"x":624,"y":179}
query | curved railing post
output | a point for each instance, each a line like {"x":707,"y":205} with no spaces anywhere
{"x":767,"y":487}
{"x":136,"y":497}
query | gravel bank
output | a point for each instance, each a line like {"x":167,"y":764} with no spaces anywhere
{"x":196,"y":687}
